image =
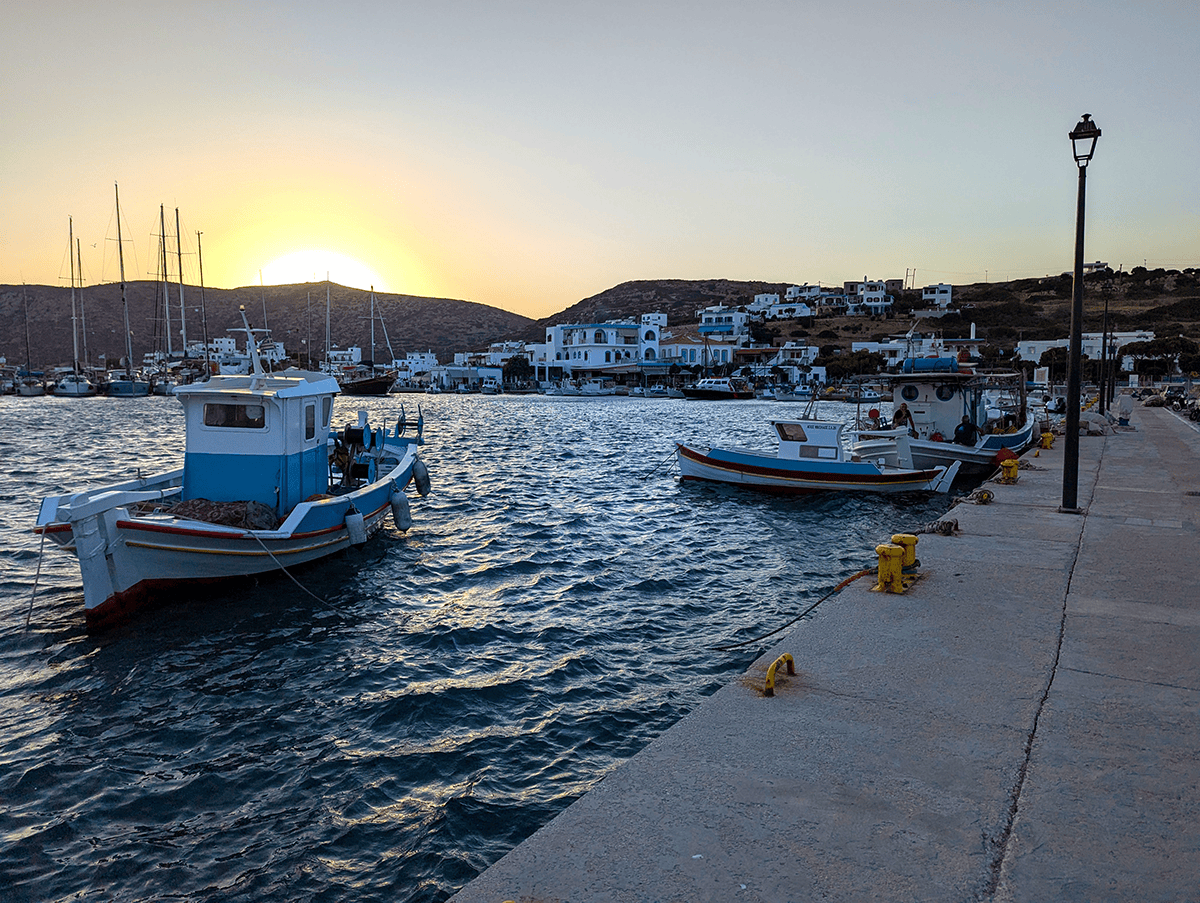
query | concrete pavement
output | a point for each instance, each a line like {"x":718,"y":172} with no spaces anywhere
{"x":1021,"y":725}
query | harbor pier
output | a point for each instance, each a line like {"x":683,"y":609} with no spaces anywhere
{"x":1021,"y":724}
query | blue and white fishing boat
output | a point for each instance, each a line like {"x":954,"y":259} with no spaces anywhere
{"x":266,"y":483}
{"x":810,"y":458}
{"x":938,"y":396}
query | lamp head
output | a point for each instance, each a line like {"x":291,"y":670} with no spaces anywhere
{"x":1083,"y":140}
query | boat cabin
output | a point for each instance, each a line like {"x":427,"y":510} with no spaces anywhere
{"x":819,"y":440}
{"x":260,"y":438}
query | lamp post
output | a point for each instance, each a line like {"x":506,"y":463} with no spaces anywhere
{"x":1083,"y":140}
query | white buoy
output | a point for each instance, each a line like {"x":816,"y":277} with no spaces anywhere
{"x":356,"y":528}
{"x":420,"y":475}
{"x":400,"y":515}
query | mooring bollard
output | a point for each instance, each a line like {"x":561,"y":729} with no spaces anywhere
{"x":1009,"y":469}
{"x":769,"y":689}
{"x":891,"y":558}
{"x":908,"y":542}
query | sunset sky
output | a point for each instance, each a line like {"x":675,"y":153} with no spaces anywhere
{"x":526,"y":155}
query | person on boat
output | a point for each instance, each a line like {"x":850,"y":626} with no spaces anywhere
{"x":965,"y":432}
{"x":901,"y":417}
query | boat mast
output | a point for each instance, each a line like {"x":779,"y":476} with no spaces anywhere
{"x":28,"y":354}
{"x":203,"y":313}
{"x":328,"y":366}
{"x":124,"y":300}
{"x":74,"y":307}
{"x":162,"y":254}
{"x":82,"y":311}
{"x":372,"y":330}
{"x":182,"y":309}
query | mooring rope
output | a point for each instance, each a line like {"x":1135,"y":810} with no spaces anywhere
{"x":285,"y":570}
{"x":837,"y":588}
{"x":36,"y":578}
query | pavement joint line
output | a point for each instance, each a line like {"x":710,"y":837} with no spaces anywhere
{"x":1135,"y":680}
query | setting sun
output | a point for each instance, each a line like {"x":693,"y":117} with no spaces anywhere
{"x":316,"y":266}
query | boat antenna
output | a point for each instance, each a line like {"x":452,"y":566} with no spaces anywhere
{"x":74,"y":308}
{"x":82,"y":311}
{"x":251,"y":345}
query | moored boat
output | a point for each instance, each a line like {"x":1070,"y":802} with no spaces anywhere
{"x":810,"y":458}
{"x":938,"y":396}
{"x":265,"y":484}
{"x":711,"y":389}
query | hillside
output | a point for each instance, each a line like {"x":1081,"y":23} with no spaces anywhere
{"x":294,"y":313}
{"x":1165,"y":301}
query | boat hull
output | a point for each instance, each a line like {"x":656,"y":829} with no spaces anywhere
{"x":975,"y":460}
{"x":129,"y":559}
{"x":768,"y":473}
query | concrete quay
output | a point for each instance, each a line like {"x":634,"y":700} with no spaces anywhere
{"x":1023,"y":724}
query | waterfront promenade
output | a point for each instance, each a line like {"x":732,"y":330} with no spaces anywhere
{"x":1022,"y":725}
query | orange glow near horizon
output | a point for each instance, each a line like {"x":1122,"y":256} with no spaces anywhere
{"x":317,"y":265}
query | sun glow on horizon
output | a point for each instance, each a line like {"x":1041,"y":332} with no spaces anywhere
{"x":317,"y":265}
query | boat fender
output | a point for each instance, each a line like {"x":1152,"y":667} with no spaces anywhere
{"x":420,"y":475}
{"x":356,"y":527}
{"x":937,"y":437}
{"x":400,"y":513}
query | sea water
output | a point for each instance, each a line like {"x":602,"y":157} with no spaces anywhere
{"x":405,"y":713}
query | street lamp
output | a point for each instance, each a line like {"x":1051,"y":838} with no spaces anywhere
{"x":1083,"y":141}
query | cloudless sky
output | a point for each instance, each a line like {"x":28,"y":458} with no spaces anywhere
{"x":527,"y":154}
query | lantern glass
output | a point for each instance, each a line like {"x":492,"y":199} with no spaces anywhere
{"x":1083,"y":139}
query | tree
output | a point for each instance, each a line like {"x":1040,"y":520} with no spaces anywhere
{"x":517,"y":369}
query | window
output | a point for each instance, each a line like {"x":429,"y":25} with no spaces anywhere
{"x":235,"y":416}
{"x":649,"y":335}
{"x":600,"y":337}
{"x":310,"y":421}
{"x":909,"y":393}
{"x":945,"y":393}
{"x":326,"y":411}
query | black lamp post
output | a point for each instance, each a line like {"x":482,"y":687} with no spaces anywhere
{"x":1083,"y":139}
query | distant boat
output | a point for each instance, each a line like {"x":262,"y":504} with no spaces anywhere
{"x":28,"y":385}
{"x":810,"y":458}
{"x":131,"y":385}
{"x":361,"y":381}
{"x":74,"y":384}
{"x":719,"y":389}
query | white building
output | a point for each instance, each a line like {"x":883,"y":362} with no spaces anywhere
{"x":937,"y":296}
{"x":1091,"y":346}
{"x":867,"y":297}
{"x":579,"y":347}
{"x":725,"y":321}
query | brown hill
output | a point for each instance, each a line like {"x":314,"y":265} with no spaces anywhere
{"x":294,"y":313}
{"x":1165,"y":301}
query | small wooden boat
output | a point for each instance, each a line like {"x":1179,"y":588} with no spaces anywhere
{"x":810,"y":458}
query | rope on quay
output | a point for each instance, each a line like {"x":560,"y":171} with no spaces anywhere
{"x":836,"y":589}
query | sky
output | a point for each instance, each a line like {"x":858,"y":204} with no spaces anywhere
{"x":527,"y":155}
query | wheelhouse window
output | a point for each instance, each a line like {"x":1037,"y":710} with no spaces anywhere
{"x":310,"y":421}
{"x":235,"y":416}
{"x":326,"y":411}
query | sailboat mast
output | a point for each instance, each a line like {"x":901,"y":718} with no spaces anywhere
{"x":124,"y":300}
{"x":28,"y":354}
{"x":203,"y":312}
{"x":372,"y":329}
{"x":328,"y":367}
{"x":182,"y":309}
{"x":74,"y":307}
{"x":82,"y":311}
{"x":162,"y":256}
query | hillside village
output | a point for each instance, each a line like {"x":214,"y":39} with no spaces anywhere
{"x":643,"y":333}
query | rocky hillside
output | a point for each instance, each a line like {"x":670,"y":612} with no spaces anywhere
{"x":1165,"y":301}
{"x":294,"y":313}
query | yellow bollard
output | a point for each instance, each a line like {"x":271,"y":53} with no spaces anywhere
{"x":891,"y":557}
{"x":908,"y":542}
{"x":1009,"y":469}
{"x":1047,"y":440}
{"x":769,"y":689}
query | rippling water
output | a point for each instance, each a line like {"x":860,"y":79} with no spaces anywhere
{"x":552,"y":610}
